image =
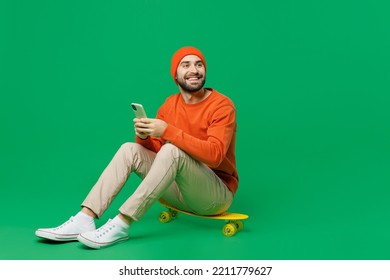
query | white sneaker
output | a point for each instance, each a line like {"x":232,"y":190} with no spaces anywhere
{"x":68,"y":231}
{"x":108,"y":234}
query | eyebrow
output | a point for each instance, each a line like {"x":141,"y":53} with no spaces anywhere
{"x":186,"y":61}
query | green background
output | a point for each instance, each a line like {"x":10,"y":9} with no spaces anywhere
{"x":310,"y":80}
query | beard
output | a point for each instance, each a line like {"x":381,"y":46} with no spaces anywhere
{"x":190,"y":88}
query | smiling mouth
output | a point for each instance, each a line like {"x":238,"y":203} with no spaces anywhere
{"x":193,"y":79}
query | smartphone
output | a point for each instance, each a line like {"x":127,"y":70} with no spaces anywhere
{"x":138,"y":110}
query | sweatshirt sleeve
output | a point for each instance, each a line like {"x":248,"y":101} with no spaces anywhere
{"x":211,"y":151}
{"x":151,"y":143}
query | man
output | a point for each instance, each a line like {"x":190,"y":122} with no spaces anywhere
{"x":186,"y":155}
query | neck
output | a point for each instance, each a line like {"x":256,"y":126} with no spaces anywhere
{"x":194,"y":97}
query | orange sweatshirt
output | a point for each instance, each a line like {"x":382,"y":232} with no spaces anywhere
{"x":206,"y":131}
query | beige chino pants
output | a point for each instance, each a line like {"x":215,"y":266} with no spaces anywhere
{"x":171,"y":174}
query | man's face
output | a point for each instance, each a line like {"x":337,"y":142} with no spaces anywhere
{"x":191,"y":74}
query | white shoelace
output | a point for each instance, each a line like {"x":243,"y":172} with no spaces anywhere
{"x":64,"y":224}
{"x":107,"y":227}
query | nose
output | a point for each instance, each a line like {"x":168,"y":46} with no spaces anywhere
{"x":193,"y":68}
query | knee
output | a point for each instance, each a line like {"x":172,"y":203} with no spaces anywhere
{"x":129,"y":147}
{"x":170,"y":150}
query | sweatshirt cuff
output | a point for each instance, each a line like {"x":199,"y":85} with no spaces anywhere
{"x":140,"y":140}
{"x":171,"y":133}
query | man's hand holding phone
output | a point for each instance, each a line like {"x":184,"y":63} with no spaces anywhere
{"x":149,"y":127}
{"x":144,"y":126}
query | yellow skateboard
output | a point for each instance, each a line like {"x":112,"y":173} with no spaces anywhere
{"x":233,"y":224}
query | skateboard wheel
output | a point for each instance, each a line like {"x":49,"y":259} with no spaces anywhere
{"x":229,"y":229}
{"x":173,"y":214}
{"x":164,"y":217}
{"x":239,"y":225}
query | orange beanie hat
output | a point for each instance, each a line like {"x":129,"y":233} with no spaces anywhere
{"x":180,"y":54}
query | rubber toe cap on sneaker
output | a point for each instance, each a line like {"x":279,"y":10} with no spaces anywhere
{"x":47,"y":234}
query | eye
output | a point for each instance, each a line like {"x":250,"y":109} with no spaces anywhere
{"x":199,"y":65}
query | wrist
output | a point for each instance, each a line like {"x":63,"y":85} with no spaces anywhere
{"x":142,"y":137}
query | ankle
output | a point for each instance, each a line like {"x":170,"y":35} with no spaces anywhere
{"x":84,"y":218}
{"x":89,"y":212}
{"x":126,"y":219}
